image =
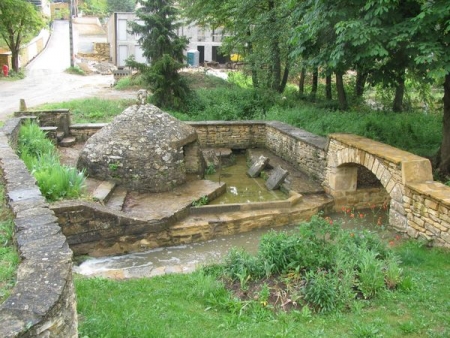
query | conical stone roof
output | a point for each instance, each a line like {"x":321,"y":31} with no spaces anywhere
{"x":141,"y":149}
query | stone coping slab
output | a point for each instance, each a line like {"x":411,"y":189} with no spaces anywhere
{"x":376,"y":148}
{"x":293,"y":199}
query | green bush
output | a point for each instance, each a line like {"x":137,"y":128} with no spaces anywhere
{"x":329,"y":266}
{"x":55,"y":181}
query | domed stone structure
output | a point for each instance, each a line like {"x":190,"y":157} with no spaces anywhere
{"x":143,"y":149}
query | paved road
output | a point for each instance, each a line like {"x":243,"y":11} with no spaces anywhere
{"x":46,"y":81}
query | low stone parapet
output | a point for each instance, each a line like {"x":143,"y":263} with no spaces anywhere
{"x":42,"y":303}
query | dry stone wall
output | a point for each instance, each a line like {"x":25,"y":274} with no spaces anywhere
{"x":42,"y":303}
{"x":303,"y":150}
{"x":427,"y":206}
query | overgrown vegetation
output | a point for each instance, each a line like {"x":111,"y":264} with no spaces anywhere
{"x":321,"y":267}
{"x":39,"y":154}
{"x":203,"y":305}
{"x":9,"y":258}
{"x":91,"y":110}
{"x":416,"y":131}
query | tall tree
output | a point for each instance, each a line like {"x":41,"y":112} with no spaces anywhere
{"x":432,"y":43}
{"x":18,"y":18}
{"x":157,"y":25}
{"x":120,"y":5}
{"x":256,"y":29}
{"x":376,"y":37}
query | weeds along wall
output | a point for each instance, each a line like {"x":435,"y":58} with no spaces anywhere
{"x":42,"y":303}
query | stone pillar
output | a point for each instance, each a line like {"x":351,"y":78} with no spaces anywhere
{"x":343,"y":178}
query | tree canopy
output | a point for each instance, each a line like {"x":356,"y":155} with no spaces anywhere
{"x":17,"y":19}
{"x":384,"y":42}
{"x":120,"y":5}
{"x":157,"y":25}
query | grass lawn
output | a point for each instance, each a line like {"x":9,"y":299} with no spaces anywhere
{"x":196,"y":305}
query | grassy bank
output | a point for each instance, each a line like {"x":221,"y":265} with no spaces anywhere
{"x":215,"y":99}
{"x":91,"y":110}
{"x":196,"y":305}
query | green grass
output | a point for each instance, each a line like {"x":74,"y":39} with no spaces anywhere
{"x":9,"y":258}
{"x":91,"y":110}
{"x":39,"y":154}
{"x":215,"y":99}
{"x":414,"y":132}
{"x":75,"y":70}
{"x":196,"y":305}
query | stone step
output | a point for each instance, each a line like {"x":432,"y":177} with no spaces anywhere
{"x":60,"y":136}
{"x":103,"y":192}
{"x":68,"y":142}
{"x":51,"y":133}
{"x":117,"y":199}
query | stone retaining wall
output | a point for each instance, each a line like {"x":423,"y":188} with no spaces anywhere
{"x":42,"y":303}
{"x":427,"y":206}
{"x":59,"y":118}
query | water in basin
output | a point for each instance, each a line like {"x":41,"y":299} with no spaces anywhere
{"x":240,"y":187}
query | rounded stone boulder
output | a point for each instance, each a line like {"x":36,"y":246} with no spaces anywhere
{"x":143,"y":149}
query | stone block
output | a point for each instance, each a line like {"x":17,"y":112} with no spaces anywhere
{"x":103,"y":191}
{"x":258,"y":166}
{"x":276,"y":178}
{"x":343,"y":178}
{"x":416,"y":171}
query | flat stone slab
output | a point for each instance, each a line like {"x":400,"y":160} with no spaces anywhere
{"x":258,"y":166}
{"x":103,"y":191}
{"x":117,"y":199}
{"x":276,"y":178}
{"x":68,"y":142}
{"x":214,"y":156}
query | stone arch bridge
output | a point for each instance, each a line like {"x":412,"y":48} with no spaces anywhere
{"x":418,"y":205}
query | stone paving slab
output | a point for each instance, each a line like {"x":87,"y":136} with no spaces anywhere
{"x":276,"y":178}
{"x":258,"y":166}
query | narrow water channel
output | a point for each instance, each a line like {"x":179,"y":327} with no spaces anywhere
{"x":186,"y":258}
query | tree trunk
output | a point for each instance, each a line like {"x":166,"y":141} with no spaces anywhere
{"x":15,"y":60}
{"x":342,"y":97}
{"x":361,"y":78}
{"x":444,"y":165}
{"x":285,"y":78}
{"x":254,"y":71}
{"x":328,"y":93}
{"x":14,"y":47}
{"x":275,"y":68}
{"x":399,"y":93}
{"x":315,"y":79}
{"x":301,"y":82}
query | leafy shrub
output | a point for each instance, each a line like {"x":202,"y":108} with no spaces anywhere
{"x":39,"y":155}
{"x":329,"y":266}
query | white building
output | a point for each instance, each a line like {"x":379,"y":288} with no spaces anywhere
{"x":123,"y":44}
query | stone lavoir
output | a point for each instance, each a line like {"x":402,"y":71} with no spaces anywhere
{"x":419,"y":207}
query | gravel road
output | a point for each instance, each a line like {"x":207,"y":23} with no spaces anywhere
{"x":46,"y":80}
